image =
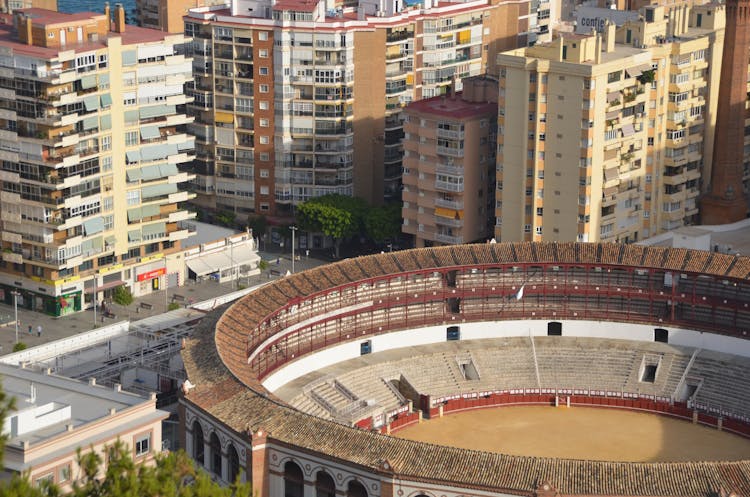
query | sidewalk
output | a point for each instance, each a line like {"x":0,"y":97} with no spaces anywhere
{"x":54,"y":328}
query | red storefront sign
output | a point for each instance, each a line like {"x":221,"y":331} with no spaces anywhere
{"x":152,"y":274}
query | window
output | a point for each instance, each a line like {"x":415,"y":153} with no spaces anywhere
{"x":264,"y":190}
{"x":215,"y":447}
{"x":263,"y":123}
{"x":527,"y":228}
{"x":63,"y":474}
{"x":264,"y":173}
{"x":265,"y":156}
{"x":263,"y":53}
{"x":294,"y":480}
{"x":198,"y":443}
{"x":263,"y":88}
{"x":263,"y":36}
{"x":614,"y":76}
{"x":131,"y":138}
{"x":45,"y":479}
{"x":263,"y":105}
{"x":263,"y":71}
{"x":264,"y":140}
{"x":143,"y":445}
{"x":106,"y":143}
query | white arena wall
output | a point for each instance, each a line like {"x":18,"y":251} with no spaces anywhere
{"x":500,"y":329}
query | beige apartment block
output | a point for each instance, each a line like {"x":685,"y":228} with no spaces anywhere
{"x":605,"y":137}
{"x":449,"y":162}
{"x":297,"y":99}
{"x":93,"y":133}
{"x":55,"y":416}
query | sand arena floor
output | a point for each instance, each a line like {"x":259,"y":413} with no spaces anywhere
{"x":580,"y":433}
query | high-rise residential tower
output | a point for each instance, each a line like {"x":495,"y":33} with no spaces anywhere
{"x":299,"y":98}
{"x":93,"y":133}
{"x":606,"y":137}
{"x":449,"y":164}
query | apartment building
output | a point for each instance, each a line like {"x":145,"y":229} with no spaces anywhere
{"x":605,"y":137}
{"x":166,"y":15}
{"x":449,"y":164}
{"x":93,"y":133}
{"x":300,"y":98}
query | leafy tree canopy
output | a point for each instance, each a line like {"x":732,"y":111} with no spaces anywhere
{"x":334,"y":215}
{"x":384,"y":222}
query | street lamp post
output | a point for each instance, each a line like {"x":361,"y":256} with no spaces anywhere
{"x":96,"y":301}
{"x":15,"y":309}
{"x":293,"y":229}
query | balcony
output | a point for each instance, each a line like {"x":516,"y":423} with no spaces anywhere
{"x":450,"y":134}
{"x":450,"y":239}
{"x":449,"y":204}
{"x":449,"y":169}
{"x":449,"y":187}
{"x":444,"y":221}
{"x":454,"y":152}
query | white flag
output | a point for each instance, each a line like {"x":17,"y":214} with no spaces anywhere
{"x":519,"y":294}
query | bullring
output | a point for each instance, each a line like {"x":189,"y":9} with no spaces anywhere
{"x":232,"y":421}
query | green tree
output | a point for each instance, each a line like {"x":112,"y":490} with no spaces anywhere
{"x":259,"y":225}
{"x":334,"y":215}
{"x":123,"y":296}
{"x":384,"y":222}
{"x":18,"y":347}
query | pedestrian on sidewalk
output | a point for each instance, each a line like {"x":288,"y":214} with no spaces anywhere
{"x":39,"y":330}
{"x":31,"y":328}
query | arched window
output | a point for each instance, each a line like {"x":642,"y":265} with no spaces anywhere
{"x":293,"y":480}
{"x":215,"y":454}
{"x":324,"y":485}
{"x":199,"y":445}
{"x":356,"y":489}
{"x":234,"y":463}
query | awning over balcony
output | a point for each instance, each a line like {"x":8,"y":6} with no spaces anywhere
{"x":106,"y":100}
{"x":224,"y":117}
{"x":611,"y":173}
{"x":449,"y":213}
{"x":150,"y":132}
{"x":636,"y":71}
{"x":628,"y":130}
{"x":93,"y":225}
{"x":88,"y":82}
{"x":158,"y":190}
{"x":612,"y":96}
{"x":91,"y":102}
{"x":157,"y":111}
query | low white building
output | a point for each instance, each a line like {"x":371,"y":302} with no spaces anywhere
{"x":54,"y":416}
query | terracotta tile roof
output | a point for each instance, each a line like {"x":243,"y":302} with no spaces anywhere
{"x":237,"y":399}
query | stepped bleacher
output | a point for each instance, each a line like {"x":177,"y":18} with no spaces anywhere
{"x":508,"y":364}
{"x":725,"y":382}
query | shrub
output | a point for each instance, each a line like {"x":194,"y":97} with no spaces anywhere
{"x":19,"y":346}
{"x":173,"y":306}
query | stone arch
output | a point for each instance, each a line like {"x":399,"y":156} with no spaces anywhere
{"x":325,"y":485}
{"x":199,"y":443}
{"x":294,"y":480}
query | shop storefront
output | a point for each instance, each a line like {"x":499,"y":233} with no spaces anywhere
{"x":60,"y":305}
